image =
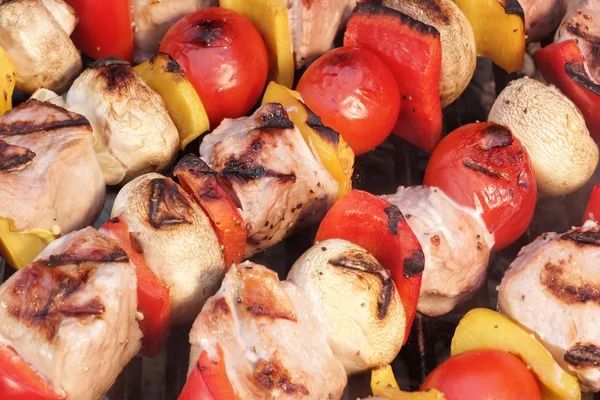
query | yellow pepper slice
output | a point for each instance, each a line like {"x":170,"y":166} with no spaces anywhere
{"x":20,"y":248}
{"x":162,"y":73}
{"x":338,"y":159}
{"x":482,"y":328}
{"x":383,"y":384}
{"x":8,"y":79}
{"x":271,"y":20}
{"x":499,"y":30}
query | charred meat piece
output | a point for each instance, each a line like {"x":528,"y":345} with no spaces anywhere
{"x":272,"y":343}
{"x":553,"y":289}
{"x":455,"y":242}
{"x":282,"y":186}
{"x":49,"y":175}
{"x":72,"y":313}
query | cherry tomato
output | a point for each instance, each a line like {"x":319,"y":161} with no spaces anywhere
{"x":484,"y":166}
{"x":354,"y":93}
{"x":223,"y":56}
{"x":104,"y":28}
{"x":484,"y":375}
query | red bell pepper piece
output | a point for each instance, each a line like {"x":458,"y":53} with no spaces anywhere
{"x":412,"y":51}
{"x":592,"y":210}
{"x":153,"y":297}
{"x":20,"y":381}
{"x":561,"y":64}
{"x":208,"y":380}
{"x":217,"y":200}
{"x":380,"y":228}
{"x":104,"y":28}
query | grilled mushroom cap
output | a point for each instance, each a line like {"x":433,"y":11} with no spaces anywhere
{"x":358,"y":299}
{"x":39,"y":44}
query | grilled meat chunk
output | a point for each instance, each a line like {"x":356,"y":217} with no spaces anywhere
{"x":455,"y":242}
{"x":542,"y":17}
{"x":133,"y":133}
{"x":281,"y":184}
{"x":72,"y":313}
{"x":553,"y":289}
{"x":49,"y":174}
{"x":273,"y":344}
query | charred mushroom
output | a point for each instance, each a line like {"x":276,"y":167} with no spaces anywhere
{"x":357,"y":298}
{"x":562,"y":153}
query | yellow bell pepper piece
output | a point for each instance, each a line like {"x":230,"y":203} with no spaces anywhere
{"x":338,"y":160}
{"x":20,"y":248}
{"x":162,"y":73}
{"x":8,"y":79}
{"x":271,"y":20}
{"x":481,"y":328}
{"x":383,"y":384}
{"x":499,"y":30}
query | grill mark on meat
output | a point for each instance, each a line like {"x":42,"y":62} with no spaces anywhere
{"x":69,"y":120}
{"x":220,"y":307}
{"x":376,"y":9}
{"x":270,"y":374}
{"x":260,"y":300}
{"x":273,"y":116}
{"x":513,"y":7}
{"x":495,"y":136}
{"x":167,"y":205}
{"x":326,"y":133}
{"x":363,"y":262}
{"x":102,"y":252}
{"x":583,"y":355}
{"x":415,"y":264}
{"x":579,"y":75}
{"x":14,"y":158}
{"x":244,"y":169}
{"x":552,"y":277}
{"x":480,"y":168}
{"x":591,"y":238}
{"x":47,"y":305}
{"x":395,"y":217}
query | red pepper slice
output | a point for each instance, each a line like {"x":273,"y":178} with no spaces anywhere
{"x":592,"y":210}
{"x":208,"y":380}
{"x":153,"y":297}
{"x":380,"y":228}
{"x":215,"y":197}
{"x":104,"y":28}
{"x":561,"y":64}
{"x":413,"y":52}
{"x":20,"y":381}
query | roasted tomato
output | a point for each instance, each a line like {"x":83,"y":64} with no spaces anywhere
{"x":484,"y":166}
{"x":104,"y":28}
{"x":380,"y":228}
{"x":484,"y":375}
{"x":208,"y":380}
{"x":223,"y":56}
{"x":354,"y":93}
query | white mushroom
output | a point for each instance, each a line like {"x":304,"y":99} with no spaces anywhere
{"x":459,"y":51}
{"x":133,"y":133}
{"x":39,"y":44}
{"x":357,"y":298}
{"x":177,"y":240}
{"x":550,"y":126}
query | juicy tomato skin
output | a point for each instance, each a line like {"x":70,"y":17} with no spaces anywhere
{"x":484,"y":375}
{"x":104,"y":28}
{"x":484,"y":166}
{"x":355,"y":93}
{"x":223,"y":56}
{"x":592,"y":210}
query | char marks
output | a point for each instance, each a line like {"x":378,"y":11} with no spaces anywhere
{"x":415,"y":264}
{"x":579,"y":75}
{"x":395,"y":217}
{"x":480,"y":168}
{"x":555,"y":279}
{"x":326,"y":133}
{"x":583,"y":355}
{"x":14,"y":158}
{"x":167,"y":205}
{"x":272,"y":375}
{"x":582,"y":238}
{"x":273,"y":116}
{"x":513,"y":7}
{"x":375,"y":9}
{"x":495,"y":136}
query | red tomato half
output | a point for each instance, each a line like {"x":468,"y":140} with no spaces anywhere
{"x":355,"y":93}
{"x":104,"y":28}
{"x":224,"y":57}
{"x":484,"y":166}
{"x":484,"y":375}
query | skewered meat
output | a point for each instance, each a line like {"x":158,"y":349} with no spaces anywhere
{"x":542,"y":17}
{"x":49,"y":175}
{"x":281,"y":184}
{"x":357,"y":298}
{"x":273,"y":344}
{"x":455,"y":242}
{"x":72,"y":313}
{"x":552,"y":289}
{"x":153,"y":18}
{"x":38,"y":43}
{"x":177,"y":240}
{"x":133,"y":133}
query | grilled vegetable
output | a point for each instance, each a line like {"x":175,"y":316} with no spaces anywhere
{"x":163,"y":75}
{"x":208,"y":379}
{"x":19,"y":248}
{"x":592,"y":210}
{"x":383,"y":384}
{"x":8,"y":79}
